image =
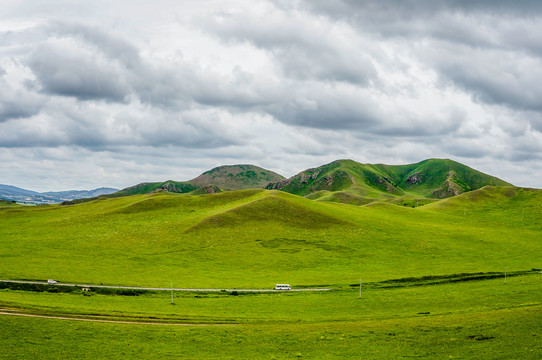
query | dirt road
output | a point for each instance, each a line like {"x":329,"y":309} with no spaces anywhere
{"x":11,"y":312}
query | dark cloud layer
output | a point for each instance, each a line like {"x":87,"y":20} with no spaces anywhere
{"x":392,"y":10}
{"x":17,"y":103}
{"x":77,"y":73}
{"x":496,"y":77}
{"x":13,"y":108}
{"x":301,"y":52}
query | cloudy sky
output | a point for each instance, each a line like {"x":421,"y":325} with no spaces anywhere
{"x":113,"y":93}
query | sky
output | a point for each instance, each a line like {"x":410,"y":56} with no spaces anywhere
{"x":115,"y":93}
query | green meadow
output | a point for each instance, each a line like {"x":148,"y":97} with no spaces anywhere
{"x":256,"y":238}
{"x":474,"y":319}
{"x":433,"y":276}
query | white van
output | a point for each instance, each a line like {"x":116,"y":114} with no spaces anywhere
{"x":283,"y":287}
{"x":51,"y":281}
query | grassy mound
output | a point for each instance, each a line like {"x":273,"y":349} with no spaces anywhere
{"x":276,"y":208}
{"x":7,"y":203}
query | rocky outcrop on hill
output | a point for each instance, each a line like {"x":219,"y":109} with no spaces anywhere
{"x":414,"y":178}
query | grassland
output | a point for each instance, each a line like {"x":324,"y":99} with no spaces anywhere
{"x":256,"y":238}
{"x":472,"y":319}
{"x":7,"y":203}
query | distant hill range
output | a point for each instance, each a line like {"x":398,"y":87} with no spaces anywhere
{"x":351,"y":182}
{"x":222,"y":178}
{"x":23,"y":196}
{"x":344,"y":181}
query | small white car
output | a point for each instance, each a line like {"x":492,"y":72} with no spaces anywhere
{"x":51,"y":281}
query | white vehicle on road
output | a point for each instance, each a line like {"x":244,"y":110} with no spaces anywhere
{"x":283,"y":287}
{"x":51,"y":281}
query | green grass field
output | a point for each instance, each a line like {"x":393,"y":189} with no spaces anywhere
{"x":256,"y":238}
{"x":483,"y":318}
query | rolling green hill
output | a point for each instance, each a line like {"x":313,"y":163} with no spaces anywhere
{"x":237,"y":177}
{"x":433,"y":282}
{"x":255,"y":238}
{"x":343,"y":181}
{"x":145,"y":188}
{"x":7,"y":203}
{"x":350,"y":182}
{"x":228,"y":177}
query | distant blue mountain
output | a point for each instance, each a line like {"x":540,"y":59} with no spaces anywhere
{"x":23,"y":196}
{"x":12,"y":190}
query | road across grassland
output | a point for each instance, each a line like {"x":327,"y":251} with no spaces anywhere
{"x":152,"y":288}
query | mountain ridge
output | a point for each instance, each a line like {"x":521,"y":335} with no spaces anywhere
{"x":24,"y":196}
{"x":218,"y":179}
{"x":344,"y":181}
{"x":427,"y":179}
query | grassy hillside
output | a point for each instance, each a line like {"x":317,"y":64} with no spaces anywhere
{"x":339,"y":175}
{"x":347,"y":181}
{"x":433,"y":283}
{"x":145,"y":188}
{"x":343,"y":181}
{"x":438,"y":178}
{"x":256,"y":238}
{"x":7,"y":203}
{"x":237,"y":177}
{"x":228,"y":177}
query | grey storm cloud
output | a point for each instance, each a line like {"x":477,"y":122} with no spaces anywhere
{"x":74,"y":61}
{"x":495,"y":77}
{"x":13,"y":106}
{"x":302,"y":50}
{"x":393,"y":10}
{"x":93,"y":65}
{"x":17,"y":103}
{"x":338,"y":111}
{"x":113,"y":46}
{"x":89,"y":64}
{"x":77,"y":73}
{"x":181,"y":85}
{"x":472,"y":43}
{"x":534,"y":119}
{"x":406,"y":125}
{"x":95,"y":130}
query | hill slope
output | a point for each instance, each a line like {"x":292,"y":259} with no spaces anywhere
{"x":352,"y":182}
{"x":344,"y":181}
{"x":6,"y":203}
{"x":237,"y":177}
{"x":256,"y":238}
{"x":440,"y":178}
{"x":227,"y":177}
